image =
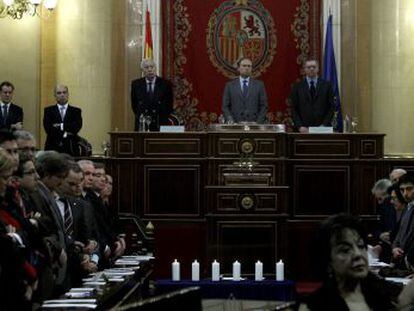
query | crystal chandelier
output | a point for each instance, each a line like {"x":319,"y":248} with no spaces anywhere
{"x":16,"y":9}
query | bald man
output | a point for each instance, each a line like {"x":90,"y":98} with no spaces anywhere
{"x":62,"y":122}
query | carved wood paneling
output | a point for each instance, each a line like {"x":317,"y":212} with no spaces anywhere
{"x":172,"y":147}
{"x":126,"y":186}
{"x":321,"y":148}
{"x":321,"y":190}
{"x":172,"y":190}
{"x":265,"y":200}
{"x":246,"y":241}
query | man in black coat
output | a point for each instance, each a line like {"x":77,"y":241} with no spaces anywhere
{"x":62,"y":123}
{"x":151,"y":96}
{"x":11,"y":115}
{"x":312,"y":99}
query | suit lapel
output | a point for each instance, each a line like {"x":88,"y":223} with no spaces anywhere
{"x":318,"y":87}
{"x":305,"y":88}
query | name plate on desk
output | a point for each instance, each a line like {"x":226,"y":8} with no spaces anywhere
{"x":172,"y":129}
{"x":321,"y":129}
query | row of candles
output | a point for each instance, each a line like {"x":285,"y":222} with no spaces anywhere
{"x":215,"y":271}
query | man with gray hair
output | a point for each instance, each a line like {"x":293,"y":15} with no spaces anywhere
{"x":396,"y":174}
{"x":62,"y":123}
{"x":151,"y":96}
{"x":26,"y":143}
{"x":379,"y":190}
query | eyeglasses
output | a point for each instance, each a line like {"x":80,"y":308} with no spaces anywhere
{"x":30,"y":172}
{"x":32,"y":149}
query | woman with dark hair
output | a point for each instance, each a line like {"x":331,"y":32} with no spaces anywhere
{"x":343,"y":264}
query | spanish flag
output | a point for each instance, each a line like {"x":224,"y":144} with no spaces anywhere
{"x":148,"y":49}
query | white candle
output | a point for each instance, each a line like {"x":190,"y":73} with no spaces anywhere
{"x":175,"y":270}
{"x":236,"y":271}
{"x":280,"y":271}
{"x":258,"y":271}
{"x":195,"y":271}
{"x":215,"y":271}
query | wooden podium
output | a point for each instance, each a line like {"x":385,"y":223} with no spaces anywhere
{"x":242,"y":193}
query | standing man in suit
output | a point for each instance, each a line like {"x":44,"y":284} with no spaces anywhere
{"x":62,"y":123}
{"x":312,"y":99}
{"x":151,"y":96}
{"x":244,"y":98}
{"x":11,"y":115}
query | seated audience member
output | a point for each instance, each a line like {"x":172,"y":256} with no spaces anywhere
{"x":94,"y":183}
{"x":11,"y":115}
{"x":405,"y":235}
{"x":53,"y":168}
{"x":107,"y":191}
{"x":28,"y":180}
{"x":396,"y":174}
{"x":399,"y":203}
{"x":17,"y":276}
{"x":26,"y":143}
{"x":9,"y":144}
{"x":343,"y":263}
{"x":385,"y":209}
{"x":62,"y":123}
{"x":80,"y":224}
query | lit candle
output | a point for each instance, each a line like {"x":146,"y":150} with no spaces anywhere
{"x":258,"y":271}
{"x":175,"y":270}
{"x":236,"y":271}
{"x":280,"y":271}
{"x":215,"y":271}
{"x":195,"y":271}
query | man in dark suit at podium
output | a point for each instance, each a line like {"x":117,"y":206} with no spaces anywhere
{"x":312,"y":99}
{"x":151,"y":96}
{"x":62,"y":123}
{"x":245,"y":98}
{"x":11,"y":115}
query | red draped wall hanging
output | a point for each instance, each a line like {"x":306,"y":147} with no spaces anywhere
{"x":202,"y":40}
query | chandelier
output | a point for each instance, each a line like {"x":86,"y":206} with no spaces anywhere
{"x":16,"y":9}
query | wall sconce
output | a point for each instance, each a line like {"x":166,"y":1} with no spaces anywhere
{"x":16,"y":9}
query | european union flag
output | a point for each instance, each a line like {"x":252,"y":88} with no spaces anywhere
{"x":329,"y":73}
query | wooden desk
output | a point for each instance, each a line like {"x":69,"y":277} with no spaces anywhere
{"x":184,"y":183}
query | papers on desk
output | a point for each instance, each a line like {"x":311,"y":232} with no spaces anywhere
{"x":320,"y":129}
{"x":172,"y":129}
{"x":70,"y":303}
{"x":132,"y":260}
{"x":403,"y":281}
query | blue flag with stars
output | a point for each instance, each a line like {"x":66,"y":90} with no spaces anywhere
{"x":330,"y":74}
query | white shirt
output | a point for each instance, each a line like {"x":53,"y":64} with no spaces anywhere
{"x":151,"y":82}
{"x":4,"y":104}
{"x":242,"y":80}
{"x":315,"y":81}
{"x":62,"y":109}
{"x":61,"y":206}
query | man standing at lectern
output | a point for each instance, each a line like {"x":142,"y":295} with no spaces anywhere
{"x":312,"y":99}
{"x":244,"y":98}
{"x":151,"y":96}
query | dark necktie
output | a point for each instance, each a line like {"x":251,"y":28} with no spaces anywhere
{"x":68,"y":219}
{"x":150,"y":90}
{"x":245,"y":88}
{"x":312,"y":89}
{"x":4,"y":114}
